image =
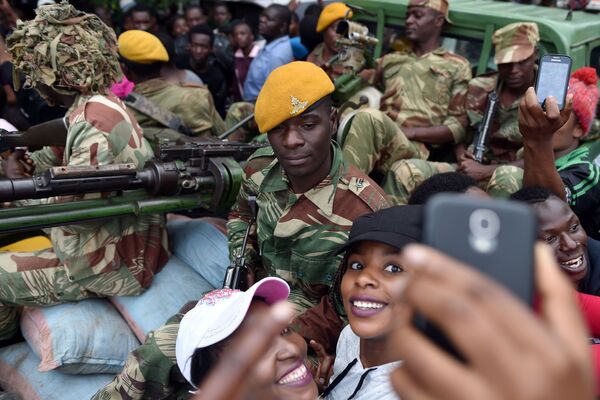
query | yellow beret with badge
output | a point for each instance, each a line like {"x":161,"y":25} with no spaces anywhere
{"x":331,"y":13}
{"x":289,"y":91}
{"x":142,"y":47}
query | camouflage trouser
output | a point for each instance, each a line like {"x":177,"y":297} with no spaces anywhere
{"x":150,"y":371}
{"x":405,"y":175}
{"x":375,"y":141}
{"x":237,"y":112}
{"x":39,"y":279}
{"x":506,"y":180}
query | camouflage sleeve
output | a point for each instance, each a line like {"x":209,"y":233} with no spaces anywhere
{"x":46,"y":158}
{"x":151,"y":370}
{"x":456,"y":119}
{"x":475,"y":102}
{"x":200,"y":114}
{"x":240,"y":216}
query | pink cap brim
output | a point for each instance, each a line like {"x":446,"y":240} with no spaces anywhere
{"x":271,"y":290}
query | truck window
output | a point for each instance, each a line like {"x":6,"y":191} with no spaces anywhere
{"x":595,"y":59}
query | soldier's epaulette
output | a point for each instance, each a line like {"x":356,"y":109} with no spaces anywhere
{"x":366,"y":189}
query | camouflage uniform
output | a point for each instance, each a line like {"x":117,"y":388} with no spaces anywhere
{"x":297,"y":235}
{"x":192,"y":103}
{"x":430,"y":91}
{"x":94,"y":259}
{"x":75,"y":55}
{"x":237,"y":112}
{"x":317,"y":57}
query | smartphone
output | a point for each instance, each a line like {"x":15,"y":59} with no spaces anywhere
{"x":494,"y":236}
{"x":553,"y":78}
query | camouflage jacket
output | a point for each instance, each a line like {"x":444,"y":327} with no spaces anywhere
{"x":101,"y":132}
{"x":430,"y":89}
{"x":297,"y":235}
{"x":505,"y":138}
{"x":317,"y":57}
{"x":192,"y":103}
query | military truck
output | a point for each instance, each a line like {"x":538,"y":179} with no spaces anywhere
{"x":575,"y":33}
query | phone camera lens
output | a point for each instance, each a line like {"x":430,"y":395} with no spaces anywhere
{"x":484,"y":224}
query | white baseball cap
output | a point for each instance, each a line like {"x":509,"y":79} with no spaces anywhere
{"x":218,"y":314}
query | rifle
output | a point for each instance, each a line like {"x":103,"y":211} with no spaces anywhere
{"x":51,"y":133}
{"x":485,"y":127}
{"x":186,"y":176}
{"x":237,"y":272}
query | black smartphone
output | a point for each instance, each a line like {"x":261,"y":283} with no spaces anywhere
{"x":553,"y":78}
{"x":494,"y":236}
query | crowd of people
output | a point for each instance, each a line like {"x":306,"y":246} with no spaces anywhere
{"x":335,"y":256}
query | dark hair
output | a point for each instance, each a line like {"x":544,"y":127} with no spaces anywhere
{"x":314,"y":10}
{"x":335,"y":295}
{"x":282,"y":13}
{"x":238,"y":22}
{"x":221,"y":4}
{"x":295,"y":17}
{"x":203,"y":29}
{"x":143,"y":71}
{"x":532,"y":195}
{"x":143,"y":8}
{"x":309,"y":36}
{"x":203,"y":360}
{"x":191,"y":7}
{"x":172,"y":20}
{"x":453,"y":182}
{"x":168,"y":43}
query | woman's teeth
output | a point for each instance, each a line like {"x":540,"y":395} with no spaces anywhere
{"x":574,"y":263}
{"x":367,"y":304}
{"x":294,"y":376}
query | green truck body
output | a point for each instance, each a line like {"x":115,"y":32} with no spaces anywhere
{"x":576,"y":34}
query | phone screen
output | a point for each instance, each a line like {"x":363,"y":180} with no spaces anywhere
{"x":553,"y":78}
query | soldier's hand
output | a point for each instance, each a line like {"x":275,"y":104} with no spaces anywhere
{"x":17,"y":165}
{"x":536,"y":124}
{"x":477,"y":171}
{"x":510,"y":352}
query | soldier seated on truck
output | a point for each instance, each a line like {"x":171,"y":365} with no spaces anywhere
{"x":71,"y":59}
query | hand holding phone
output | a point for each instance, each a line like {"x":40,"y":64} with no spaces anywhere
{"x":553,"y":78}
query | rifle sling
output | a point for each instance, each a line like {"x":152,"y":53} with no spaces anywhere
{"x":152,"y":110}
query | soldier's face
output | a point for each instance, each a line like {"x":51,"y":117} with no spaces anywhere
{"x":200,"y":48}
{"x":422,"y":23}
{"x":518,"y":75}
{"x":330,"y":37}
{"x":143,"y":21}
{"x":560,"y":228}
{"x":302,"y":145}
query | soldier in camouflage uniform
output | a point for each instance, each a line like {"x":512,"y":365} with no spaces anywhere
{"x":143,"y":55}
{"x":71,"y":59}
{"x":515,"y":56}
{"x":424,"y":91}
{"x":307,"y":197}
{"x":329,"y":18}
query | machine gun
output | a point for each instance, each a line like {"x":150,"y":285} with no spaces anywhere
{"x":354,"y":55}
{"x":51,"y":133}
{"x":483,"y":132}
{"x":198,"y":174}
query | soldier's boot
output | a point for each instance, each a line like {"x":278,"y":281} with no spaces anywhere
{"x":375,"y":141}
{"x":505,"y":180}
{"x":405,"y":175}
{"x":237,"y":112}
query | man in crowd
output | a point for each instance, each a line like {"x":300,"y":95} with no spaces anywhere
{"x":425,"y":88}
{"x":245,"y":51}
{"x":94,"y":259}
{"x":307,"y":197}
{"x":144,"y":18}
{"x":143,"y":56}
{"x":515,"y":55}
{"x":194,"y":15}
{"x":203,"y":62}
{"x":273,"y":26}
{"x":327,"y":24}
{"x":552,"y":153}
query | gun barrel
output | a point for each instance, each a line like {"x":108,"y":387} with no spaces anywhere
{"x":485,"y":127}
{"x":51,"y":133}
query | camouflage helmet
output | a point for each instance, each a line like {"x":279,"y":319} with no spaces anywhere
{"x":437,"y":5}
{"x":515,"y":42}
{"x":69,"y":50}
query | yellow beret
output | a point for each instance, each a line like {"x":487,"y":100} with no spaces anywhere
{"x":288,"y":92}
{"x":331,"y":13}
{"x":142,"y":47}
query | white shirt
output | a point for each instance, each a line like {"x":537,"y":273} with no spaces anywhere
{"x":375,"y":381}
